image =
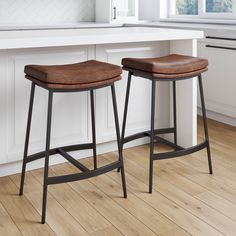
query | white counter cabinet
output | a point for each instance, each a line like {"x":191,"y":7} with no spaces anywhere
{"x":219,"y":81}
{"x":140,"y":96}
{"x":70,"y":121}
{"x":71,"y":112}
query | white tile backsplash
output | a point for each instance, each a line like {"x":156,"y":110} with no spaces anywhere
{"x":46,"y":12}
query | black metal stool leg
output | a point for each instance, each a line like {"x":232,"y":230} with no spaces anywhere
{"x":152,"y":134}
{"x":118,"y":139}
{"x":205,"y":123}
{"x":48,"y":137}
{"x":125,"y":111}
{"x":27,"y":138}
{"x":174,"y":112}
{"x":93,"y":129}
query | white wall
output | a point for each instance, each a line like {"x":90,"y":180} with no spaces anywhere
{"x":46,"y":12}
{"x":28,"y":12}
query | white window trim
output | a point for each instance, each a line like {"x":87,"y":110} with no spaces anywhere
{"x":201,"y":12}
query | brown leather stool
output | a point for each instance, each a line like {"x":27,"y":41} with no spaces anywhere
{"x":169,"y":68}
{"x":85,"y":76}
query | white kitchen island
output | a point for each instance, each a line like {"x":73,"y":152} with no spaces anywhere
{"x":71,"y":112}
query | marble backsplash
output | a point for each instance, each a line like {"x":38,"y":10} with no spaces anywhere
{"x":46,"y":12}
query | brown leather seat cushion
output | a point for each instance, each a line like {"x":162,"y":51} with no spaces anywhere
{"x":80,"y":75}
{"x":168,"y":66}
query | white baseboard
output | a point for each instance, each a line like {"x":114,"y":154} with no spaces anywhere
{"x":219,"y":117}
{"x":15,"y":167}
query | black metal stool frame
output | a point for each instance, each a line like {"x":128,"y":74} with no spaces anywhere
{"x":153,"y":133}
{"x":86,"y":173}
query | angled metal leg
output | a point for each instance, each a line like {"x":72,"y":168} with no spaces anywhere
{"x":174,"y":112}
{"x":125,"y":111}
{"x":27,"y":138}
{"x":93,"y":129}
{"x":48,"y":137}
{"x":153,"y":103}
{"x":118,"y":139}
{"x":205,"y":123}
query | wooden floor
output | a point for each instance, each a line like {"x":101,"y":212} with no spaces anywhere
{"x":186,"y":200}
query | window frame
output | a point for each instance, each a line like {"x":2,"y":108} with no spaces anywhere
{"x":202,"y":14}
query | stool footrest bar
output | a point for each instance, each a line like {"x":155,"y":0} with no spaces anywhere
{"x":54,"y":151}
{"x":84,"y":175}
{"x":168,"y":143}
{"x":72,"y":160}
{"x":183,"y":152}
{"x":162,"y":131}
{"x":134,"y":137}
{"x":147,"y":133}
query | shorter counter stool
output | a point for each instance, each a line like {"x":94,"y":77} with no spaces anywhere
{"x":85,"y":76}
{"x":169,"y":68}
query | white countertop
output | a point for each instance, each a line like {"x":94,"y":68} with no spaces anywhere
{"x":62,"y":26}
{"x":91,"y":36}
{"x":218,"y":28}
{"x":192,"y":25}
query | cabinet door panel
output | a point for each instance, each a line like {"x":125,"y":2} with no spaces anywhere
{"x":117,"y":11}
{"x":69,"y":123}
{"x":219,"y":81}
{"x":140,"y":95}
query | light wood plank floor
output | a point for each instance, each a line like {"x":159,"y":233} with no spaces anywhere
{"x":186,"y":200}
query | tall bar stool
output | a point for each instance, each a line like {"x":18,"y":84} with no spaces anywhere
{"x":169,"y":68}
{"x":85,"y":76}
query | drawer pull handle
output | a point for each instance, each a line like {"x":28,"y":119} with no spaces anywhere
{"x":220,"y":47}
{"x":221,"y":38}
{"x":114,"y":13}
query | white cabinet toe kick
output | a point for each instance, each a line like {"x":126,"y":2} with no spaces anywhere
{"x":71,"y":115}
